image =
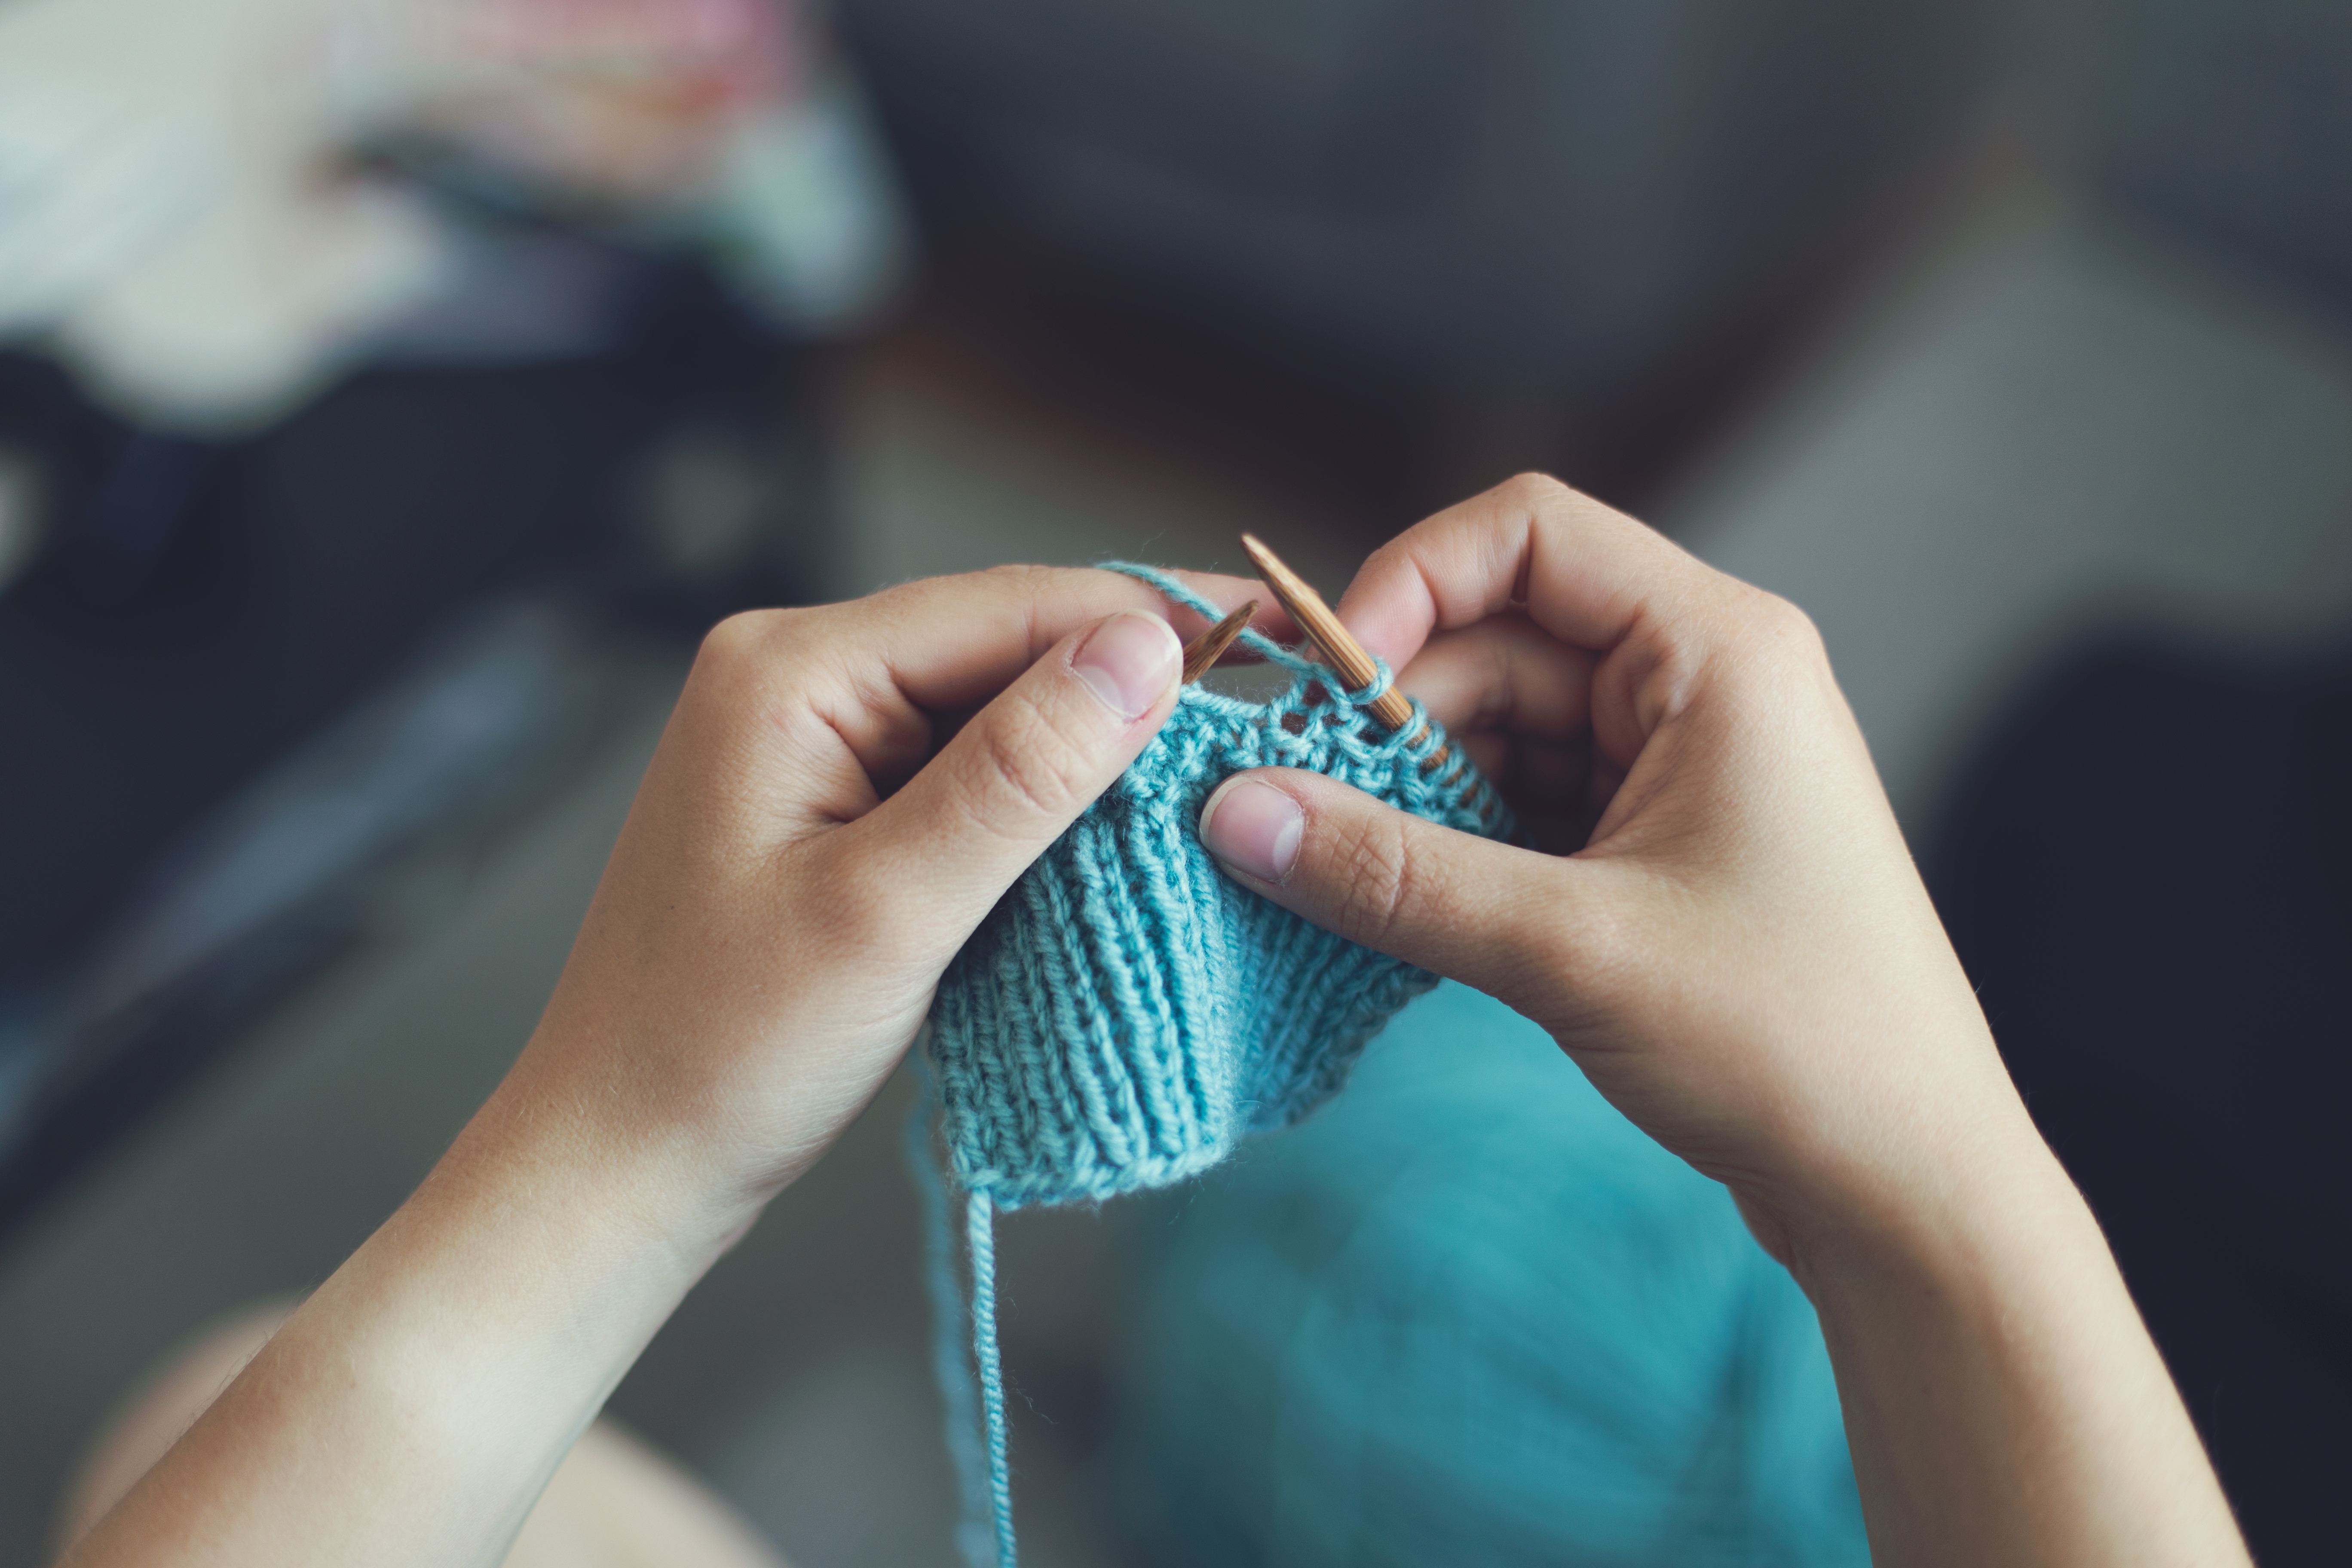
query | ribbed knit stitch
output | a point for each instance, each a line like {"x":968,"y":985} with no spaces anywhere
{"x":1128,"y":1012}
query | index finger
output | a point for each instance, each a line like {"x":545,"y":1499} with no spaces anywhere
{"x":953,"y":643}
{"x":1586,"y":573}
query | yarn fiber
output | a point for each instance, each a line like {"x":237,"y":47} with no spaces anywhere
{"x":1128,"y":1012}
{"x":1471,"y":1315}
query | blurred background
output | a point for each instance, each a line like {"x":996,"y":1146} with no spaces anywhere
{"x":390,"y":391}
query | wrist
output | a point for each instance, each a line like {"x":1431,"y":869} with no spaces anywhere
{"x":507,"y":1297}
{"x":1974,"y":1256}
{"x":1952,"y":1186}
{"x":629,"y":1197}
{"x":2002,"y":1400}
{"x":1950,"y":1231}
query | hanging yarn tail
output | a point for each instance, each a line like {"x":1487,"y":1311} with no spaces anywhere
{"x":979,"y":1234}
{"x":978,"y":1524}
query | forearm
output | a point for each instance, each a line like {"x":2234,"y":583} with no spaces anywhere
{"x":414,"y":1408}
{"x":2003,"y":1402}
{"x":780,"y":907}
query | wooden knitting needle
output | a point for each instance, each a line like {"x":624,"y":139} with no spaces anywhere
{"x":1347,"y":655}
{"x":1205,"y":649}
{"x":1342,"y":651}
{"x":1338,"y":648}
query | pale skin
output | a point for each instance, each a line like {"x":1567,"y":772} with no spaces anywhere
{"x":1742,"y":959}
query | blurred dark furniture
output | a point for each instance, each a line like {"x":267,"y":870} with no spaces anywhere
{"x":200,"y":612}
{"x":2147,"y":869}
{"x":1561,"y":233}
{"x":2148,"y":872}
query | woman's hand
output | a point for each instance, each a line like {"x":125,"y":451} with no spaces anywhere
{"x":799,"y":867}
{"x":1742,"y":959}
{"x":841,"y":796}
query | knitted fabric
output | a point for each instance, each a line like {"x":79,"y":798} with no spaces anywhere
{"x":1128,"y":1012}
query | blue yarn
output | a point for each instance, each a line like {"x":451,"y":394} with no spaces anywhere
{"x":1128,"y":1013}
{"x":1471,"y":1315}
{"x":975,"y":1537}
{"x":980,"y":1234}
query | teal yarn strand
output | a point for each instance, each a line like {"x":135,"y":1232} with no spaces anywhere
{"x":979,"y":1233}
{"x":1128,"y":1013}
{"x":976,"y":1533}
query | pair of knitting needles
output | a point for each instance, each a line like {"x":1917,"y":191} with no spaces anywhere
{"x":1342,"y":651}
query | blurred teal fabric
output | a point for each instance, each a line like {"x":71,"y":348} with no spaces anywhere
{"x":1468,"y":1315}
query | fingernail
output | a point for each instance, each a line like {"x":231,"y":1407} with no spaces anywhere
{"x":1255,"y":828}
{"x":1128,"y":660}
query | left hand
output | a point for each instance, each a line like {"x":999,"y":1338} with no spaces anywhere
{"x":803,"y":858}
{"x":798,"y":867}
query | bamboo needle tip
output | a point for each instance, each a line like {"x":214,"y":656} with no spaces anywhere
{"x":1341,"y":650}
{"x":1210,"y":646}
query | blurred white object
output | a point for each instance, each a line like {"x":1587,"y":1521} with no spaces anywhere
{"x":170,"y":222}
{"x":184,"y":219}
{"x":804,"y":212}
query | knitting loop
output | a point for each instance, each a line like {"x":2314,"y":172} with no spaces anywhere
{"x":1383,"y":679}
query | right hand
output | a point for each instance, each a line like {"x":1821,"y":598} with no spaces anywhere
{"x":1741,"y":957}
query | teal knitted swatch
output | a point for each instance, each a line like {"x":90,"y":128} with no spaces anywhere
{"x":1128,"y":1012}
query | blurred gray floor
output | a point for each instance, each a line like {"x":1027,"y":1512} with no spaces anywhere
{"x":2049,"y":422}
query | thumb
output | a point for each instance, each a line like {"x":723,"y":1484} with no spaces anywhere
{"x":1453,"y":903}
{"x":965,"y":828}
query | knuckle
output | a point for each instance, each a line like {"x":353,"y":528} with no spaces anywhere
{"x":747,"y":639}
{"x":1538,"y":492}
{"x":1583,"y":950}
{"x":1030,"y":773}
{"x":1021,"y":577}
{"x":734,"y":670}
{"x":734,"y":641}
{"x":1370,"y":862}
{"x":1016,"y":586}
{"x":1776,"y":643}
{"x":1534,"y":484}
{"x":1019,"y":591}
{"x":1787,"y":626}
